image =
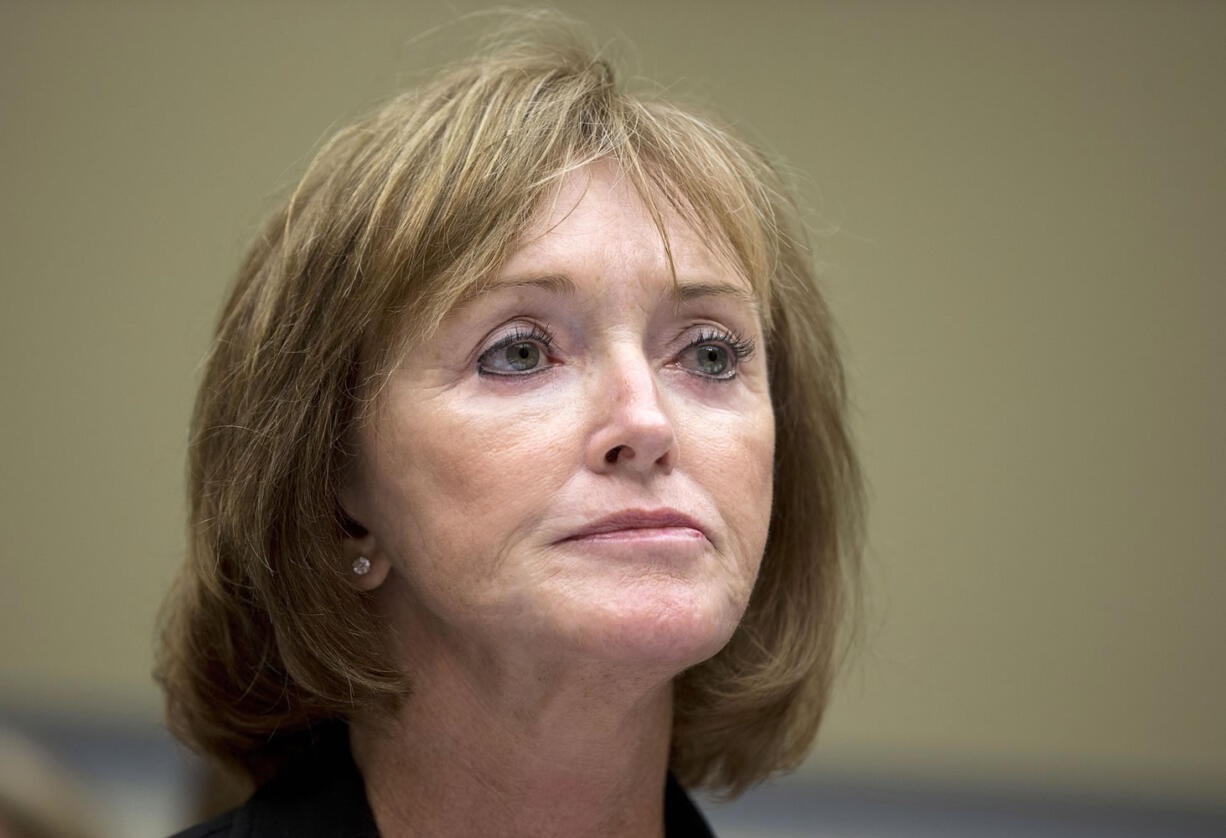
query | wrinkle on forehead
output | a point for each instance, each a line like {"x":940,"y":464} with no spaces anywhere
{"x":674,"y":225}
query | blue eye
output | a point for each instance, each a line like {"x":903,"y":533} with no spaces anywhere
{"x":715,"y":354}
{"x":519,"y":353}
{"x":710,"y":359}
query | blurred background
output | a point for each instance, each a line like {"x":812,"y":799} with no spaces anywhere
{"x":1021,"y":210}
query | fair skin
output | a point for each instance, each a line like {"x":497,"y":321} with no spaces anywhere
{"x":542,"y":649}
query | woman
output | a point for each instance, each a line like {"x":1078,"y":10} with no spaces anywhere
{"x":521,"y":490}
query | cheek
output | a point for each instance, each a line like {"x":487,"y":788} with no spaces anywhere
{"x":735,"y":464}
{"x":451,"y":467}
{"x":489,"y":457}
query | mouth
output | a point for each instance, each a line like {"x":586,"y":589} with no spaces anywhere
{"x":640,"y":524}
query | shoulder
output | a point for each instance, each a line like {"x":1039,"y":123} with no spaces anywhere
{"x":681,"y":817}
{"x":285,"y":810}
{"x":322,"y":795}
{"x":222,"y":826}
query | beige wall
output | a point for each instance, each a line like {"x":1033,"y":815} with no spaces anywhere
{"x":1028,"y":267}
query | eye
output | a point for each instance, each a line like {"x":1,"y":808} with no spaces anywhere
{"x":715,"y":354}
{"x":519,"y":353}
{"x":710,"y":359}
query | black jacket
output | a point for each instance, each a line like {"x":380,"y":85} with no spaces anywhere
{"x":324,"y":796}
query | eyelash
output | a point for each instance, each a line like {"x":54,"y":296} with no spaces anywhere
{"x":742,"y":347}
{"x":520,"y":335}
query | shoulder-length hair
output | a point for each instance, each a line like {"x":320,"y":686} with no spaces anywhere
{"x":398,"y":217}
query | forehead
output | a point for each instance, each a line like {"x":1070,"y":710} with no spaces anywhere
{"x":601,"y":200}
{"x":596,"y":212}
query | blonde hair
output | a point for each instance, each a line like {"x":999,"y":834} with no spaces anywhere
{"x":398,"y":217}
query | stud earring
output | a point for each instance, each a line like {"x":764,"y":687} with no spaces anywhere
{"x":361,"y":565}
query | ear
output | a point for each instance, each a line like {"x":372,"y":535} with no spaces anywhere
{"x":359,"y":544}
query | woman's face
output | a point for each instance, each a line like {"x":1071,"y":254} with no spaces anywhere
{"x":579,"y":462}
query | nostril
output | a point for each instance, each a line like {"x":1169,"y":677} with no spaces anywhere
{"x":611,"y":455}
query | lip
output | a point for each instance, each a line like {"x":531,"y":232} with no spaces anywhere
{"x":633,"y":523}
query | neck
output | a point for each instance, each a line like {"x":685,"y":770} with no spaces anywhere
{"x":480,"y":749}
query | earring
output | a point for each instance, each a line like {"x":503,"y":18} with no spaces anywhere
{"x":361,"y":565}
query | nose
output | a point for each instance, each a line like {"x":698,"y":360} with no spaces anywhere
{"x":632,"y":431}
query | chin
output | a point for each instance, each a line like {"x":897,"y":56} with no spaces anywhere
{"x":659,"y":629}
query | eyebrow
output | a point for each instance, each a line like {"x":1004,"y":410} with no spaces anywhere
{"x":693,"y":290}
{"x":563,"y":284}
{"x":557,"y":283}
